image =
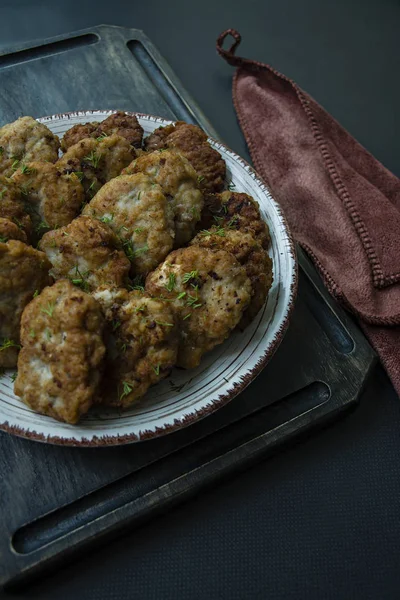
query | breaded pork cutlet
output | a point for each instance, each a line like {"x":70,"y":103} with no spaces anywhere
{"x":139,"y":214}
{"x":142,"y":344}
{"x":97,"y":160}
{"x":249,"y":253}
{"x":23,"y":273}
{"x":235,"y":211}
{"x":178,"y":180}
{"x":119,"y":123}
{"x":26,"y":140}
{"x":52,"y":198}
{"x":208,"y":290}
{"x":88,"y":253}
{"x":60,"y":363}
{"x":12,"y":206}
{"x":192,"y":142}
{"x":10,"y":231}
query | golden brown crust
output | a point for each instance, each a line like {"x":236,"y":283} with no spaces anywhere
{"x":249,"y":253}
{"x":119,"y":123}
{"x":23,"y":271}
{"x":192,"y":142}
{"x":238,"y":211}
{"x":209,"y":291}
{"x":12,"y":207}
{"x":77,"y":133}
{"x":11,"y":231}
{"x":97,"y":161}
{"x":138,"y":212}
{"x":88,"y":253}
{"x":51,"y":197}
{"x":158,"y":139}
{"x":142,"y":344}
{"x":26,"y":140}
{"x":61,"y":359}
{"x":178,"y":181}
{"x":127,"y":126}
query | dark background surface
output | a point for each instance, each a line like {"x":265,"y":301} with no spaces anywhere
{"x":322,"y":519}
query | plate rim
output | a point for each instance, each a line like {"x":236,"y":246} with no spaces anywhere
{"x":237,"y":387}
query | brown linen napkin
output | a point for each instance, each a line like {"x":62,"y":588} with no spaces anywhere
{"x":343,"y":206}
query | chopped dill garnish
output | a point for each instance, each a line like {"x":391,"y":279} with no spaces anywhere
{"x":115,"y":325}
{"x":193,"y":301}
{"x":49,"y":309}
{"x":218,"y":231}
{"x":90,"y":189}
{"x":25,"y":170}
{"x":137,"y":284}
{"x":233,"y":222}
{"x":93,"y":158}
{"x":126,"y":389}
{"x":188,"y":276}
{"x":17,"y":222}
{"x":156,"y":369}
{"x":107,"y":219}
{"x":7,"y":343}
{"x":164,"y":323}
{"x":139,"y":251}
{"x":80,"y":279}
{"x":171,"y":282}
{"x":40,"y":226}
{"x":181,"y":295}
{"x":129,"y":250}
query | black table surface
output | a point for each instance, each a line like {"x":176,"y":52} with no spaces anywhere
{"x":321,"y":519}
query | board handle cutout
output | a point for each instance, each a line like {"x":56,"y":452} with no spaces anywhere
{"x":140,"y":488}
{"x":22,"y":56}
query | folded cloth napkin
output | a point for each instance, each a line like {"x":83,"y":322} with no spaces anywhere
{"x":343,"y":206}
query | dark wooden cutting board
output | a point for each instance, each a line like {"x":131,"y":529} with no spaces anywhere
{"x":54,"y":500}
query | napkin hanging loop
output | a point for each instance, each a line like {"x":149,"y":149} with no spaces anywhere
{"x":229,"y":55}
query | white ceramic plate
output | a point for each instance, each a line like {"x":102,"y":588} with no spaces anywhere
{"x":185,"y":396}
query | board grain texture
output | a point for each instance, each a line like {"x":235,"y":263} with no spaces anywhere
{"x":56,"y":501}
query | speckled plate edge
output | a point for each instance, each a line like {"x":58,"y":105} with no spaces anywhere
{"x":237,"y":386}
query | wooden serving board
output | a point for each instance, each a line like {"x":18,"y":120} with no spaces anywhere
{"x":55,"y":501}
